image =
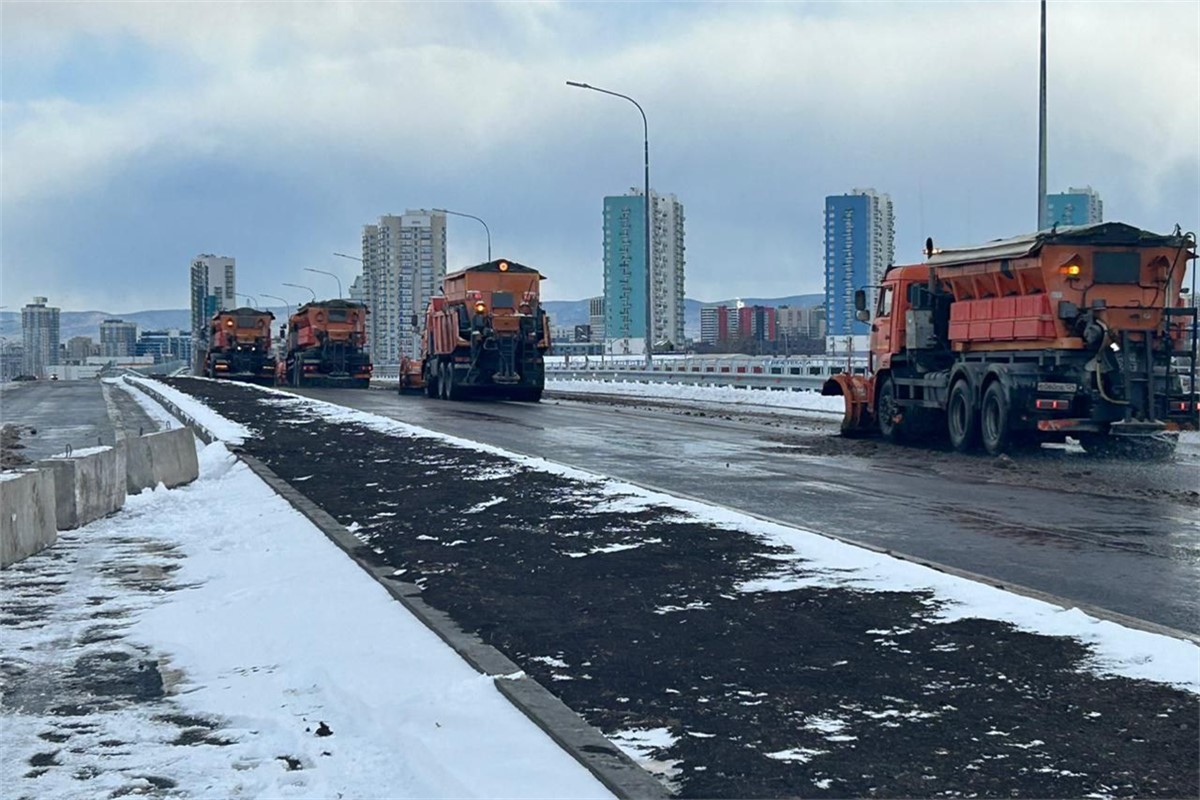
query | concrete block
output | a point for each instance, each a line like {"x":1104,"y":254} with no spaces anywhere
{"x":27,"y":514}
{"x":166,"y":457}
{"x":88,"y":485}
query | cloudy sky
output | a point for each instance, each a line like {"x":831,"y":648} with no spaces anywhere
{"x":136,"y":135}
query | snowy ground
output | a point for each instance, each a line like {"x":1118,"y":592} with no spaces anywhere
{"x":195,"y":643}
{"x":805,"y":401}
{"x":1119,"y":650}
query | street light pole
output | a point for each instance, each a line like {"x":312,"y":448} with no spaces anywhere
{"x":286,"y":304}
{"x":352,"y":258}
{"x":298,"y":286}
{"x":477,"y":219}
{"x":646,"y":165}
{"x":330,"y":274}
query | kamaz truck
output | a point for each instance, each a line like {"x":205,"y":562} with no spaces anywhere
{"x":486,"y":335}
{"x":1082,"y":331}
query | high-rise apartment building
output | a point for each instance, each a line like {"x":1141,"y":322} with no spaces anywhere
{"x":801,"y":322}
{"x":212,"y":289}
{"x":118,"y":338}
{"x":625,"y":270}
{"x":39,"y":326}
{"x":404,"y":261}
{"x":596,"y":318}
{"x":1075,"y":206}
{"x":860,"y":237}
{"x":80,"y":349}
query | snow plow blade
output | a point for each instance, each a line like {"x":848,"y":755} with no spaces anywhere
{"x":855,"y":390}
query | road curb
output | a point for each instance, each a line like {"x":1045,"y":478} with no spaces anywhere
{"x":618,"y":772}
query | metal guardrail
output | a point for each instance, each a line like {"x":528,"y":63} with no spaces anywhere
{"x":758,"y":372}
{"x":751,"y":380}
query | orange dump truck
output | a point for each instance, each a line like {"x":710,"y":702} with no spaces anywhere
{"x":486,"y":335}
{"x":326,"y":345}
{"x":1083,"y":331}
{"x":239,"y":346}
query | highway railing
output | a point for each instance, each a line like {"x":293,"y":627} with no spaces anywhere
{"x":759,"y":372}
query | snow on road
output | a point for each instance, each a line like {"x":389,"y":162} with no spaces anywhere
{"x":196,"y":642}
{"x":1118,"y":650}
{"x":806,"y":401}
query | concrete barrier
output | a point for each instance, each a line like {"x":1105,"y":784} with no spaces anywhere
{"x":27,"y":514}
{"x":88,"y":485}
{"x":166,"y":457}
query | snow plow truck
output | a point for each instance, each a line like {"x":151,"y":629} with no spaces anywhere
{"x":486,"y":335}
{"x":1082,"y":331}
{"x":239,"y":346}
{"x":326,"y":343}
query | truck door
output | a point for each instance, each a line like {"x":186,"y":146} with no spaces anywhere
{"x":882,"y":333}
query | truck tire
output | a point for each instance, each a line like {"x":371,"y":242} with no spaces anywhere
{"x":886,"y":411}
{"x":431,"y":381}
{"x":962,"y":419}
{"x":453,"y":390}
{"x":995,"y":429}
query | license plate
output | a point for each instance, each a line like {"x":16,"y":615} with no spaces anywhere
{"x":1052,"y":387}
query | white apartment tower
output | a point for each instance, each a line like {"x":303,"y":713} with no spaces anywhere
{"x":667,"y":255}
{"x":213,"y":284}
{"x":404,"y":261}
{"x":40,"y":331}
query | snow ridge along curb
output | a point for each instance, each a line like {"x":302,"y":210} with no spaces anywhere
{"x":618,"y":772}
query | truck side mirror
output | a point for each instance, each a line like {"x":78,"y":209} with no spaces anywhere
{"x":860,"y":300}
{"x":863,"y":315}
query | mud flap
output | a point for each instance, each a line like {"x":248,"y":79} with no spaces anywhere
{"x":855,"y":390}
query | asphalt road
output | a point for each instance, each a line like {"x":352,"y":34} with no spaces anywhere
{"x":644,"y":621}
{"x":55,"y":415}
{"x":1116,"y":535}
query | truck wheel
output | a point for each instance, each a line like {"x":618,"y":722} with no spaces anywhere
{"x":453,"y":390}
{"x":886,"y":411}
{"x":994,"y":427}
{"x":962,"y":419}
{"x":431,"y":381}
{"x":443,"y":382}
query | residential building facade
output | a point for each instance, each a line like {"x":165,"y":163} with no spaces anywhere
{"x":40,"y":334}
{"x":1075,"y":206}
{"x":213,"y":285}
{"x":859,"y":247}
{"x":166,"y":345}
{"x":80,"y":349}
{"x":118,"y":338}
{"x":596,"y":318}
{"x":404,"y":262}
{"x":625,"y":271}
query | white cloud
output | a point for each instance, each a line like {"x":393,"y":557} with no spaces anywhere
{"x":813,"y":99}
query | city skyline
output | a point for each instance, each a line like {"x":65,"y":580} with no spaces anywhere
{"x":274,"y":145}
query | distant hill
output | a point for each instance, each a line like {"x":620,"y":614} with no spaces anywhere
{"x":87,"y":323}
{"x":567,"y":313}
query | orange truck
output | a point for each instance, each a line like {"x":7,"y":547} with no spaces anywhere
{"x":486,"y":335}
{"x":239,"y":346}
{"x":326,"y":345}
{"x":1083,"y":331}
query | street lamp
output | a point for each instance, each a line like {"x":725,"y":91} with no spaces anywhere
{"x":646,"y":164}
{"x":286,"y":304}
{"x":477,"y":219}
{"x":352,"y":258}
{"x":330,"y":274}
{"x":253,"y":301}
{"x":298,"y":286}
